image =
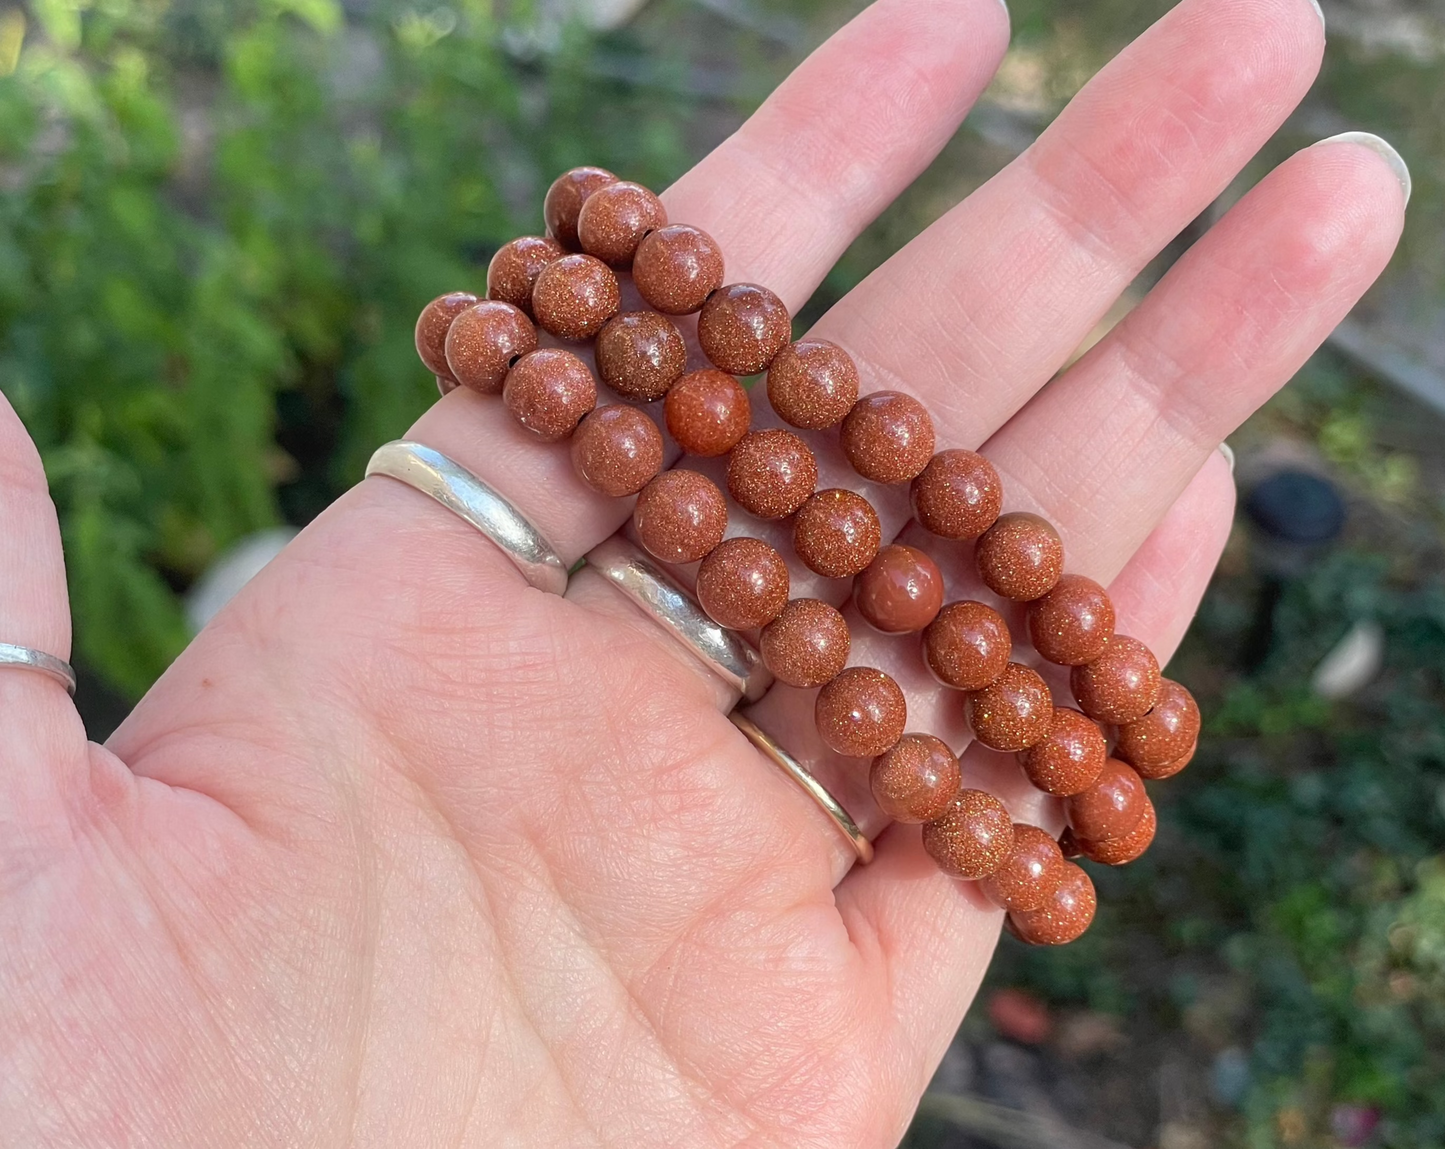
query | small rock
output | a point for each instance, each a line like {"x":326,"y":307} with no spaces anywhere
{"x":1019,"y":1016}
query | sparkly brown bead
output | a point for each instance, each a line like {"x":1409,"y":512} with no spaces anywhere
{"x":807,"y":644}
{"x":901,"y":591}
{"x":1070,"y":758}
{"x":743,"y":584}
{"x":813,"y":384}
{"x":967,"y":646}
{"x":432,"y":327}
{"x":1130,"y":847}
{"x":836,"y":533}
{"x":708,"y":412}
{"x":1029,"y":875}
{"x":771,"y":473}
{"x":513,"y":272}
{"x":617,"y":450}
{"x":1066,"y":914}
{"x":1020,"y":557}
{"x":958,"y":495}
{"x":1165,"y":734}
{"x":915,"y":780}
{"x":888,"y":437}
{"x":640,"y":354}
{"x":680,"y":516}
{"x":549,"y":391}
{"x":742,"y":327}
{"x":484,"y":341}
{"x":1169,"y":769}
{"x":972,"y":838}
{"x":575,"y":296}
{"x":1073,"y":622}
{"x":1122,"y":684}
{"x":676,"y":268}
{"x":1110,"y":808}
{"x":614,"y":219}
{"x":565,"y":199}
{"x":1013,"y":712}
{"x":861,"y":713}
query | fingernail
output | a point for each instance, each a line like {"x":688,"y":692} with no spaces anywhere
{"x":1228,"y":452}
{"x":1382,"y":149}
{"x":1320,"y":12}
{"x":1004,"y":5}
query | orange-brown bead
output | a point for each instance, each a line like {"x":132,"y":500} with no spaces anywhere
{"x":742,"y":327}
{"x":1013,"y":712}
{"x":813,"y":384}
{"x":549,"y":392}
{"x":967,"y":646}
{"x":680,"y":516}
{"x":1111,"y":807}
{"x":575,"y":296}
{"x":676,"y":268}
{"x":861,"y":713}
{"x":640,"y":354}
{"x":807,"y":644}
{"x":1165,"y":734}
{"x":1029,"y":875}
{"x":1122,"y":684}
{"x":1020,"y":557}
{"x":1069,"y":758}
{"x":888,"y":437}
{"x":958,"y":496}
{"x":1073,"y":623}
{"x":915,"y":780}
{"x":512,"y":274}
{"x":1129,"y":848}
{"x":708,"y":412}
{"x":836,"y":533}
{"x":483,"y":343}
{"x":771,"y":473}
{"x":900,"y":591}
{"x":617,"y":450}
{"x":972,"y":838}
{"x":432,"y":326}
{"x":1169,"y":769}
{"x":615,"y":218}
{"x":565,"y":198}
{"x":1064,"y":916}
{"x":743,"y":584}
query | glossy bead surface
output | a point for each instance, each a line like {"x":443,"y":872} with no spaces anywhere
{"x":432,"y":326}
{"x":1122,"y":684}
{"x":1110,"y":807}
{"x":565,"y":199}
{"x":861,"y":713}
{"x":614,"y":219}
{"x":549,"y":392}
{"x":967,"y":646}
{"x":807,"y":644}
{"x":836,"y":533}
{"x":771,"y":473}
{"x":1064,"y":916}
{"x":972,"y":838}
{"x":1169,"y":769}
{"x":640,"y":354}
{"x":1020,"y":557}
{"x":1013,"y":712}
{"x":676,"y":268}
{"x":743,"y":584}
{"x":512,"y":274}
{"x":1069,"y":758}
{"x":484,"y":341}
{"x":742,"y":327}
{"x":708,"y":412}
{"x":1073,"y":622}
{"x":813,"y":384}
{"x":575,"y":296}
{"x":680,"y":516}
{"x":915,"y":780}
{"x":1165,"y":734}
{"x":1029,"y":875}
{"x":958,"y":496}
{"x":1129,"y":848}
{"x":888,"y":437}
{"x":617,"y":450}
{"x":900,"y":591}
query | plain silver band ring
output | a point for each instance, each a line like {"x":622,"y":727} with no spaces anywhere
{"x":810,"y":785}
{"x":721,"y":650}
{"x":48,"y":664}
{"x":466,"y":496}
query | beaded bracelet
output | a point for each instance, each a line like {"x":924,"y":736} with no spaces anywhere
{"x":566,"y":283}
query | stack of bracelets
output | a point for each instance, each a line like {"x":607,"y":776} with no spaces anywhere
{"x":567,"y":284}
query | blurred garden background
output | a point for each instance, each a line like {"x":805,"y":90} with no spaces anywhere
{"x":220,"y":218}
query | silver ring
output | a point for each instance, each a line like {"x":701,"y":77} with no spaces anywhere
{"x":721,"y":650}
{"x":47,"y":664}
{"x":466,"y":496}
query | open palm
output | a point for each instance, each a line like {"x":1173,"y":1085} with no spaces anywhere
{"x":404,"y":852}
